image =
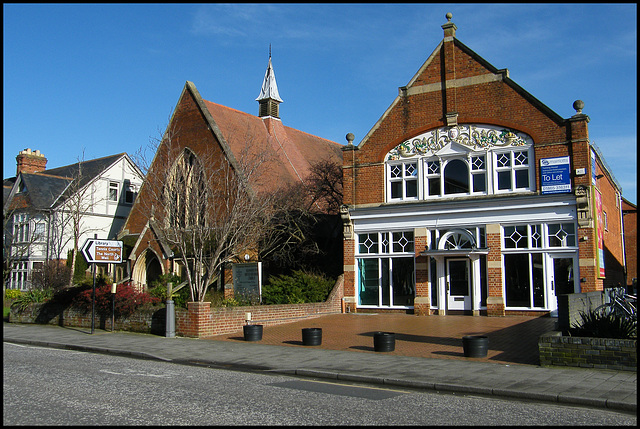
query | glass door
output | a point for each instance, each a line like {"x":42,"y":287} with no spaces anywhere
{"x":458,"y":277}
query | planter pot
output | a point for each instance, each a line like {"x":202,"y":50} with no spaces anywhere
{"x":475,"y":346}
{"x":312,"y":336}
{"x":252,"y":332}
{"x":384,"y":341}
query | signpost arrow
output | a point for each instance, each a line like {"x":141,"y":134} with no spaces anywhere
{"x":102,"y":251}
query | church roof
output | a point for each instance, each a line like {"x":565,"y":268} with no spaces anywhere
{"x":292,"y":152}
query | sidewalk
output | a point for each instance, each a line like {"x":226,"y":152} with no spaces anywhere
{"x":594,"y":388}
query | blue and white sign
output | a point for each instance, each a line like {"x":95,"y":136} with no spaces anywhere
{"x":555,"y":175}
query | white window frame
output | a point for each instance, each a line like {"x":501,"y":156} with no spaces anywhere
{"x":113,"y":186}
{"x":390,"y":245}
{"x":512,"y":169}
{"x":404,"y":178}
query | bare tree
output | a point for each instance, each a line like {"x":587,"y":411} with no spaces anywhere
{"x":207,"y":206}
{"x":303,"y":229}
{"x":69,"y":221}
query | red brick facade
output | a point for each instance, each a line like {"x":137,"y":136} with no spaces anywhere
{"x":630,"y":216}
{"x":456,"y":86}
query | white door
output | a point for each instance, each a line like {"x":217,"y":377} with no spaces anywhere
{"x":458,"y":282}
{"x":561,"y":279}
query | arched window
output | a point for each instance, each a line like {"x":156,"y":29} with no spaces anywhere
{"x":185,"y":192}
{"x":458,"y":239}
{"x":456,"y":177}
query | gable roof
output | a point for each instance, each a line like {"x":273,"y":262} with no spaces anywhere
{"x":481,"y":72}
{"x":49,"y":188}
{"x":293,"y":151}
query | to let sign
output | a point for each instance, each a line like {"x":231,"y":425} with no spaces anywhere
{"x":554,"y":175}
{"x":102,"y":251}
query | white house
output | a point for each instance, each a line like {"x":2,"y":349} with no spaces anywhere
{"x":40,"y":206}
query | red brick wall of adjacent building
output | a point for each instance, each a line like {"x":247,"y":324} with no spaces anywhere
{"x":613,"y":240}
{"x":630,"y":216}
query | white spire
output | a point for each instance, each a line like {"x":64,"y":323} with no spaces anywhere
{"x":269,"y":87}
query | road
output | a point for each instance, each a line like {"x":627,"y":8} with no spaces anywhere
{"x":61,"y":387}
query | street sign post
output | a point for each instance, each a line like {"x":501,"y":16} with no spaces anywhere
{"x":100,"y":251}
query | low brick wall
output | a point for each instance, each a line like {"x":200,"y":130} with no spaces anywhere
{"x":146,"y":321}
{"x":198,"y":321}
{"x":586,"y":352}
{"x":202,"y":321}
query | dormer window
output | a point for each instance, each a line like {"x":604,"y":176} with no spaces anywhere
{"x":463,"y":160}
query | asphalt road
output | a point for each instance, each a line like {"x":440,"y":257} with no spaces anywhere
{"x":61,"y":387}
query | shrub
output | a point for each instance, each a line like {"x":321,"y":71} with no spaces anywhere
{"x":52,"y":275}
{"x":598,"y":325}
{"x":30,"y":297}
{"x":297,"y":288}
{"x":80,"y":272}
{"x":127,"y":300}
{"x":159,"y":290}
{"x":12,"y":293}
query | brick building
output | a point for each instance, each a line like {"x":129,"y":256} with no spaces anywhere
{"x":211,"y":135}
{"x":470,"y":196}
{"x":630,"y":222}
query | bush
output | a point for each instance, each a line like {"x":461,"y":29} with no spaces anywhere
{"x":12,"y":293}
{"x":180,"y":298}
{"x":52,"y":275}
{"x":30,"y":297}
{"x":300,"y":287}
{"x":80,"y":272}
{"x":159,"y":290}
{"x":598,"y":325}
{"x":127,"y":300}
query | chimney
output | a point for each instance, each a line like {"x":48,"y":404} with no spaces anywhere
{"x":30,"y":162}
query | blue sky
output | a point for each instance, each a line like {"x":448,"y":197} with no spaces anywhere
{"x":104,"y":79}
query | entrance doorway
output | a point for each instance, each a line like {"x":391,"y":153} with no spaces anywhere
{"x":561,"y":279}
{"x":458,"y":284}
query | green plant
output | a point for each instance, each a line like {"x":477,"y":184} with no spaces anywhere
{"x":127,"y":300}
{"x":180,"y":298}
{"x":32,"y":296}
{"x":12,"y":293}
{"x":297,"y":288}
{"x":80,"y":271}
{"x":599,"y":325}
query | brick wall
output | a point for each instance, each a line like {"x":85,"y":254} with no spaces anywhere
{"x":630,"y":240}
{"x":145,"y":321}
{"x":198,"y":321}
{"x":587,"y":352}
{"x":202,"y":321}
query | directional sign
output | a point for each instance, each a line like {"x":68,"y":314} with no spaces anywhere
{"x":102,"y":251}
